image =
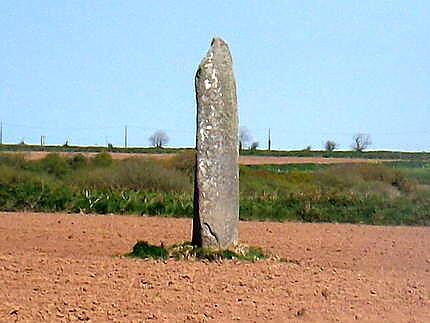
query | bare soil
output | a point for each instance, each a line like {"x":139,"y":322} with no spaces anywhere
{"x":243,"y":160}
{"x":60,"y":268}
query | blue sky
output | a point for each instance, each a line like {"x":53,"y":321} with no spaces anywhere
{"x":309,"y":70}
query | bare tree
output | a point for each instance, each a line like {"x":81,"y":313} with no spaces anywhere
{"x":244,"y":137}
{"x":159,"y":139}
{"x":361,"y":142}
{"x":330,"y":145}
{"x":254,"y":145}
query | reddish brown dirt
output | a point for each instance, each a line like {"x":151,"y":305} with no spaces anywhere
{"x":243,"y":160}
{"x":59,"y":267}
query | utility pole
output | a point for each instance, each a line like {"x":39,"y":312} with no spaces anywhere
{"x":269,"y":142}
{"x":42,"y":141}
{"x":1,"y":132}
{"x":125,"y":137}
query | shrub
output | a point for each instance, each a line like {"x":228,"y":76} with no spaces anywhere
{"x":16,"y":160}
{"x":53,"y":164}
{"x":78,"y":161}
{"x":103,"y":159}
{"x":148,"y":175}
{"x":184,"y":162}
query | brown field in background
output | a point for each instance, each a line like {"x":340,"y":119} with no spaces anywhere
{"x":60,"y":268}
{"x":243,"y":160}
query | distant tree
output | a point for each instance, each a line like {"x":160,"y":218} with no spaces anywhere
{"x":110,"y":147}
{"x":159,"y":139}
{"x":254,"y":145}
{"x":308,"y":148}
{"x":361,"y":141}
{"x":330,"y":145}
{"x":244,"y":137}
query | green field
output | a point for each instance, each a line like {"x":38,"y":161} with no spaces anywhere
{"x":394,"y":193}
{"x":391,"y":155}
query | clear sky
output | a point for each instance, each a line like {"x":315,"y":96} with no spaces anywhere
{"x":309,"y":70}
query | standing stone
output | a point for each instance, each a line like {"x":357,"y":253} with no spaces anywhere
{"x":216,"y":187}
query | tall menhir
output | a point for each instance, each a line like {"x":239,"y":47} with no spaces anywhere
{"x":216,"y":187}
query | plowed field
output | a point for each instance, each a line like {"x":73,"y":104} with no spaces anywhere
{"x":59,"y":267}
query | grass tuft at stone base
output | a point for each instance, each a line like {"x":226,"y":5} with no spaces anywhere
{"x":186,"y":251}
{"x":142,"y":249}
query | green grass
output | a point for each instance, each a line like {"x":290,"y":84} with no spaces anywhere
{"x":186,"y":251}
{"x":85,"y":149}
{"x":395,"y":193}
{"x":388,"y":155}
{"x":144,"y":250}
{"x":420,"y":171}
{"x":288,"y":168}
{"x":393,"y":155}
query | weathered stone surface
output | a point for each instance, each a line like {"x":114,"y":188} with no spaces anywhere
{"x":216,"y":188}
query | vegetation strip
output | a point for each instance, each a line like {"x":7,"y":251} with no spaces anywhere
{"x":395,"y":193}
{"x":186,"y":251}
{"x":386,"y":155}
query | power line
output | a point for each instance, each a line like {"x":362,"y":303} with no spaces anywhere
{"x":94,"y":128}
{"x":120,"y":134}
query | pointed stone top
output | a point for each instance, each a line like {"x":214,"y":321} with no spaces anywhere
{"x":219,"y":45}
{"x":218,"y":42}
{"x":218,"y":54}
